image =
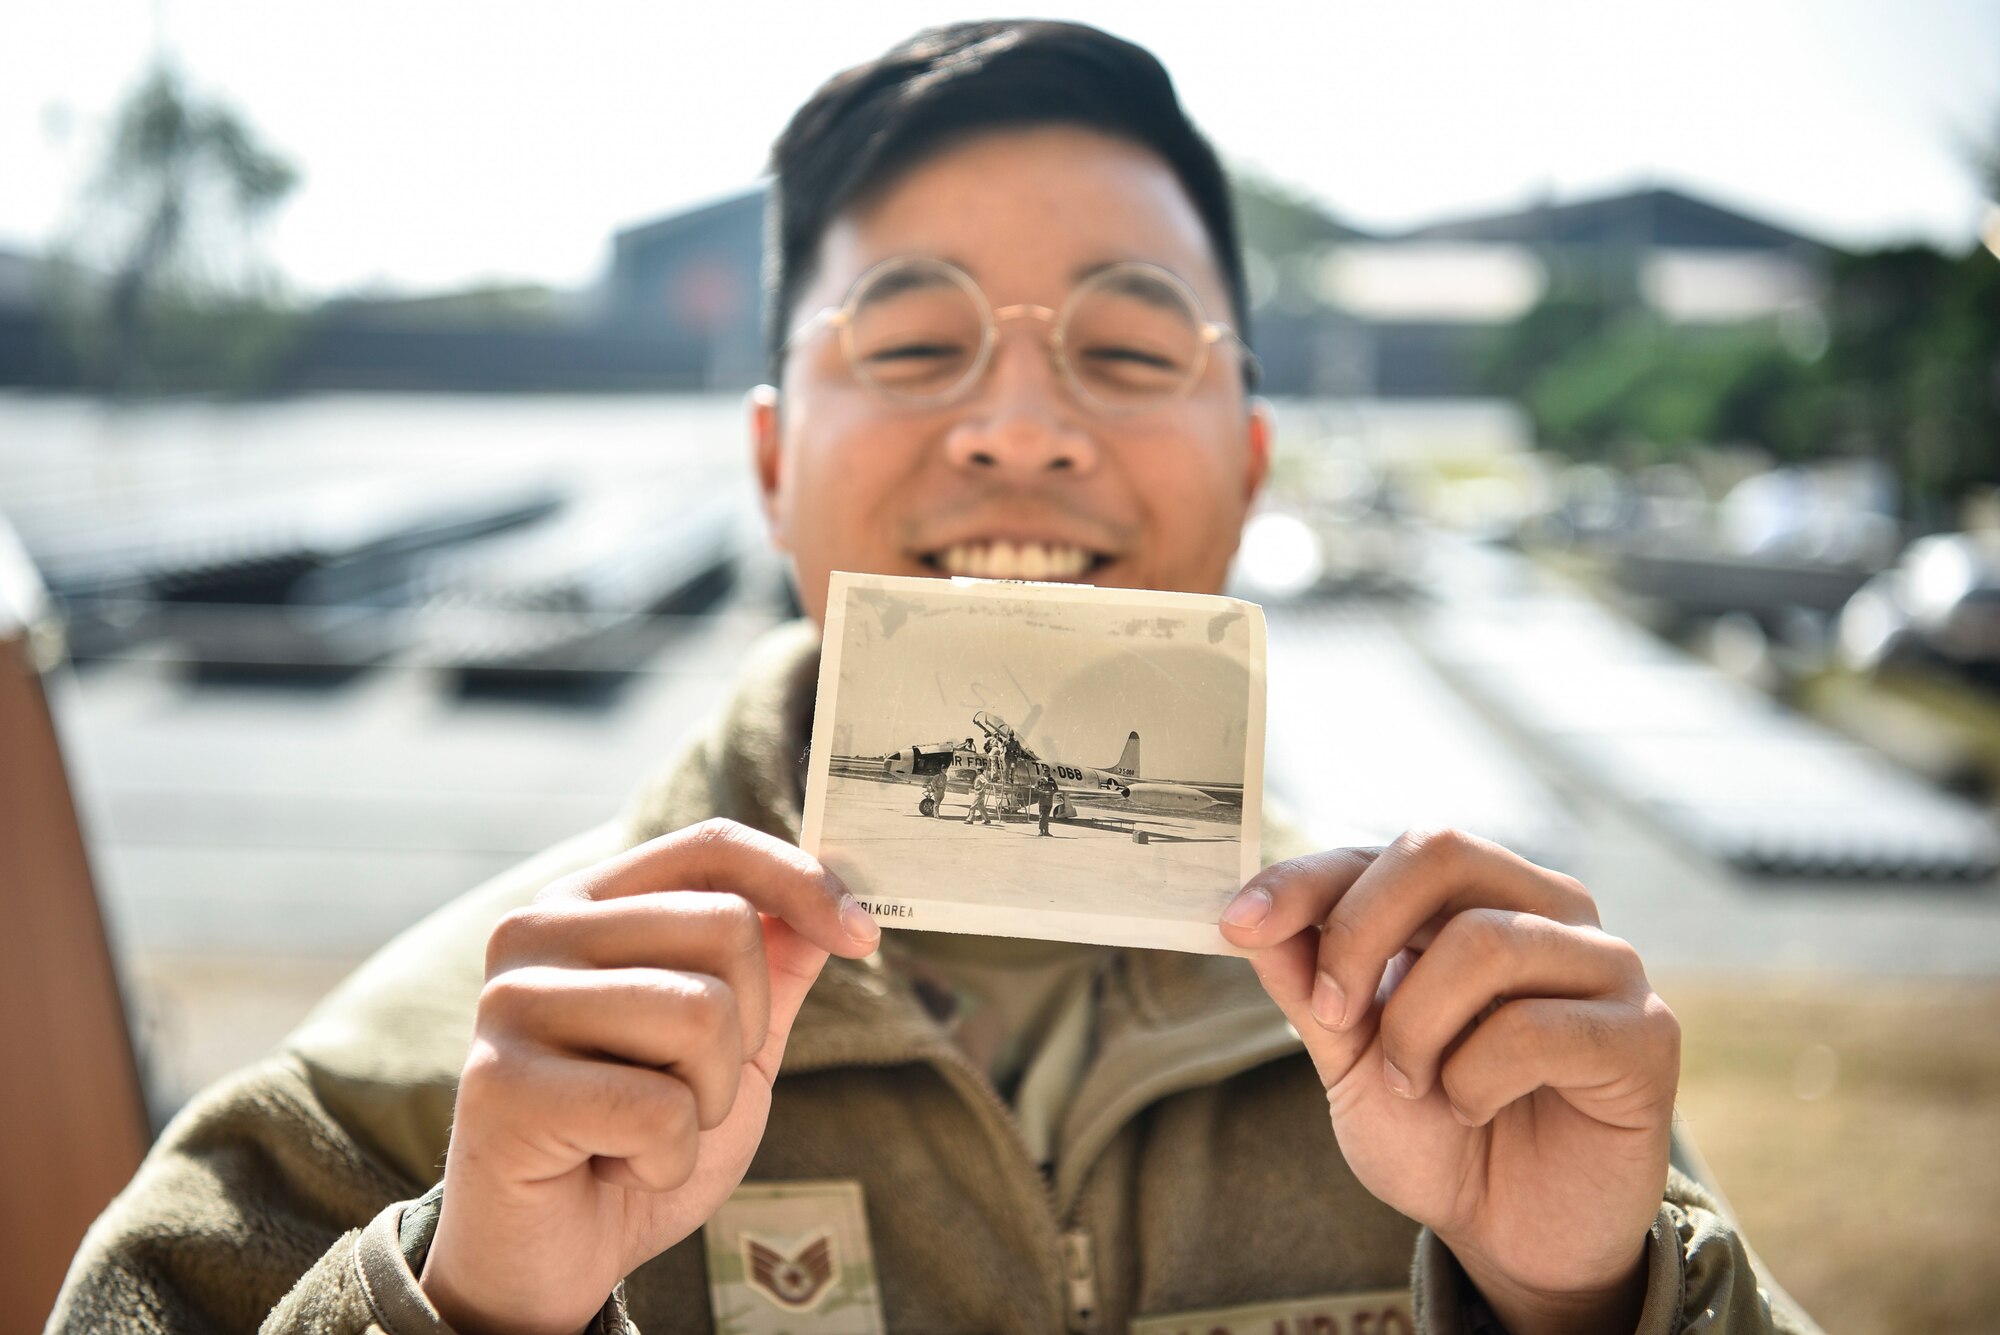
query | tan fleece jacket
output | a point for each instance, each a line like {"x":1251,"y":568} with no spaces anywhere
{"x":1194,"y":1160}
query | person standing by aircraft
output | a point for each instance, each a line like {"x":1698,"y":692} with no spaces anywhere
{"x":934,"y":787}
{"x":978,"y":807}
{"x":1045,"y":800}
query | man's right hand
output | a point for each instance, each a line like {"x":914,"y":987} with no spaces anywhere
{"x":620,"y":1076}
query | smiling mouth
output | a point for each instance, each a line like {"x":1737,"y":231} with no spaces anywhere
{"x":1015,"y":560}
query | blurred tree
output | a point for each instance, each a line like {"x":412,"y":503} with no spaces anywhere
{"x":1604,"y":375}
{"x":1903,"y":365}
{"x":1277,"y":221}
{"x":181,"y":300}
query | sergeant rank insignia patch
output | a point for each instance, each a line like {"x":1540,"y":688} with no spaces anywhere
{"x":795,"y":1283}
{"x":792,"y":1258}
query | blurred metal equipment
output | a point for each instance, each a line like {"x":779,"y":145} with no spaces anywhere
{"x":296,"y":578}
{"x":577,"y":595}
{"x":1720,"y":583}
{"x":1942,"y":599}
{"x":73,"y":1126}
{"x":1780,"y":541}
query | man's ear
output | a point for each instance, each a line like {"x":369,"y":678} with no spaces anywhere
{"x":760,"y":406}
{"x":1258,"y":432}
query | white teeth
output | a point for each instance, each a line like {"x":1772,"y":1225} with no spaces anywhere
{"x":1007,"y":560}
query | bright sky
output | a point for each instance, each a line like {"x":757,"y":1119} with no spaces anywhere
{"x":443,"y":143}
{"x":1073,"y":677}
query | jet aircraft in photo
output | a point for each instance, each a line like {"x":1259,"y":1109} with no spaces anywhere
{"x":1014,"y":769}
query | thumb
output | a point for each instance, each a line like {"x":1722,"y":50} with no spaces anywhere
{"x":795,"y":966}
{"x":1287,"y":970}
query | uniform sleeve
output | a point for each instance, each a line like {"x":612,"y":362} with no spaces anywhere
{"x":256,"y":1207}
{"x":256,"y":1211}
{"x":1700,"y":1276}
{"x":252,"y":1206}
{"x":368,"y":1282}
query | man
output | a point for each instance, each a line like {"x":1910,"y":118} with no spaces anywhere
{"x":934,"y":788}
{"x":978,"y":811}
{"x":1028,"y":1136}
{"x":1045,"y":800}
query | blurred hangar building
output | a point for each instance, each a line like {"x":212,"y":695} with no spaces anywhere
{"x":1336,"y":310}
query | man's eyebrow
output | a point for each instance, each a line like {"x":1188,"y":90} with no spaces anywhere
{"x":1076,"y":275}
{"x":906,"y":280}
{"x":1141,"y":285}
{"x":1091,"y":270}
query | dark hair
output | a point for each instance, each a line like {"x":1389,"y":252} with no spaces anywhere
{"x":867,"y":125}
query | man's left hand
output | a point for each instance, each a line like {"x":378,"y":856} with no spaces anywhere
{"x":1497,"y":1067}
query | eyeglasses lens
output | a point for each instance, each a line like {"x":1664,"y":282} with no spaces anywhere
{"x":1132,"y":340}
{"x":916,"y":334}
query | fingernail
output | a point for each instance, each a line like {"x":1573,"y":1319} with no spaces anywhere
{"x":1248,"y":908}
{"x":1329,"y":1004}
{"x":1399,"y":1084}
{"x":855,"y":920}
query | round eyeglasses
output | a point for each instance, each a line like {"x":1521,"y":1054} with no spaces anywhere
{"x":1131,"y":336}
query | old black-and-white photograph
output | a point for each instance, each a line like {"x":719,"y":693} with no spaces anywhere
{"x":1042,"y":760}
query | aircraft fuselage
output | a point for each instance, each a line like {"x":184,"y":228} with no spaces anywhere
{"x":1014,"y":771}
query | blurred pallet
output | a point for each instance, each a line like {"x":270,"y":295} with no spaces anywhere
{"x":577,"y":596}
{"x":1364,"y":740}
{"x":1733,"y":773}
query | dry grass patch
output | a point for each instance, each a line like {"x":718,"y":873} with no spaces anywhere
{"x":1855,"y":1125}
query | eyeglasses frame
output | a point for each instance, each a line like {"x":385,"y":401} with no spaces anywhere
{"x":1211,"y":332}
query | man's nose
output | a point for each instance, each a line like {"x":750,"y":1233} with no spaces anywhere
{"x":1022,"y":418}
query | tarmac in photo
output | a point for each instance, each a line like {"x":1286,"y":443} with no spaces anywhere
{"x":1185,"y":869}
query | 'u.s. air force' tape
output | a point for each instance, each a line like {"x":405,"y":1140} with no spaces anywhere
{"x":786,"y":1258}
{"x":1383,"y":1312}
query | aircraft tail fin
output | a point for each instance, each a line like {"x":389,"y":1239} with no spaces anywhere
{"x":1128,"y":760}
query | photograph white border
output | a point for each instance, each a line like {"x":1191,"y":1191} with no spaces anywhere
{"x":924,"y":914}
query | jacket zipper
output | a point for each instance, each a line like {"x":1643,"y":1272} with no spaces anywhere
{"x":1075,"y":1256}
{"x":1164,"y":1081}
{"x":985,"y":1096}
{"x":1080,"y":1270}
{"x":1077,"y":1251}
{"x":960,"y":1073}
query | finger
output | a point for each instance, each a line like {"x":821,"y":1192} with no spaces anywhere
{"x":780,"y":879}
{"x":690,"y":931}
{"x":1419,"y":879}
{"x":684,"y":1024}
{"x":1482,"y":955}
{"x":634,"y":1126}
{"x":1617,"y":1061}
{"x":1287,"y":897}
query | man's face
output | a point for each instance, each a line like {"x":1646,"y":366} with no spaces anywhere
{"x":1155,"y":499}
